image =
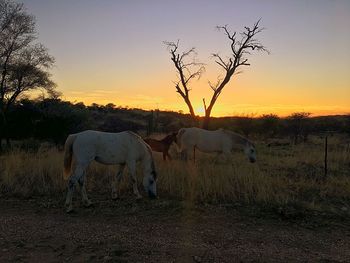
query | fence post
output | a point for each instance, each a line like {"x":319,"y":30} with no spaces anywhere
{"x":326,"y":156}
{"x":150,"y":126}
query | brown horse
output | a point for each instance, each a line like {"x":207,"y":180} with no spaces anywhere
{"x":162,"y":145}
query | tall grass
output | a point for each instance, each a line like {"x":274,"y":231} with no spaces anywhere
{"x":283,"y":175}
{"x":23,"y":173}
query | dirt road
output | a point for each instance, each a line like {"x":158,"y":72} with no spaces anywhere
{"x":159,"y":231}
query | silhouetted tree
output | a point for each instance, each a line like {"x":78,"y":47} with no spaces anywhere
{"x":116,"y":124}
{"x":245,"y":124}
{"x":22,"y":118}
{"x":110,"y":107}
{"x":240,"y":47}
{"x":96,"y":107}
{"x":187,"y":69}
{"x":48,"y":119}
{"x":80,"y":105}
{"x":24,"y":64}
{"x":297,"y":126}
{"x":269,"y":125}
{"x":58,"y":119}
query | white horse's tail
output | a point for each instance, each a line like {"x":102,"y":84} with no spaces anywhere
{"x":149,"y":162}
{"x":68,"y":154}
{"x":178,"y":139}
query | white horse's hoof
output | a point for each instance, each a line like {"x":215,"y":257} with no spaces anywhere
{"x":69,"y":209}
{"x":87,"y":203}
{"x":115,"y":196}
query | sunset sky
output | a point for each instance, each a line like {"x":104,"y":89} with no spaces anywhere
{"x":113,"y":51}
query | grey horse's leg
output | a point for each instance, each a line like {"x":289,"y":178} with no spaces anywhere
{"x":169,"y":156}
{"x":184,"y":155}
{"x":217,"y":157}
{"x":116,"y":182}
{"x":79,"y":170}
{"x":132,"y":174}
{"x":82,"y":183}
{"x":222,"y":157}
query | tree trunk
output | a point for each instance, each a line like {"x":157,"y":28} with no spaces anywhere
{"x":190,"y":108}
{"x":192,"y":113}
{"x":3,"y":127}
{"x":206,"y":121}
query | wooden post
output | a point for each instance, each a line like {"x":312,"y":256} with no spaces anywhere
{"x":150,"y":123}
{"x":325,"y":155}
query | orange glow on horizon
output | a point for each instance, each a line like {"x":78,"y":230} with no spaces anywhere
{"x":252,"y":93}
{"x":219,"y":110}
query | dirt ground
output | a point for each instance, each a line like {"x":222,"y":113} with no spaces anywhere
{"x":161,"y":231}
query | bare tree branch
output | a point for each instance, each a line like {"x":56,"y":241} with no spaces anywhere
{"x":187,"y":70}
{"x":221,"y":62}
{"x":216,"y":85}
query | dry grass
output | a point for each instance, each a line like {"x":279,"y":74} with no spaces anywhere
{"x":282,"y":176}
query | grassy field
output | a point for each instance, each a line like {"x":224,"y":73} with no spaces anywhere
{"x":283,"y":176}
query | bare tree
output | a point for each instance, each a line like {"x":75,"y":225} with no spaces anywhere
{"x":190,"y":69}
{"x":24,"y":64}
{"x":297,"y":126}
{"x":240,"y":47}
{"x":269,"y":125}
{"x":28,"y":72}
{"x":187,"y":69}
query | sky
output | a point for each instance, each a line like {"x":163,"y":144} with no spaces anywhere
{"x":112,"y":51}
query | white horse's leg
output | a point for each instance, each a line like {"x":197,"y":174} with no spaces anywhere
{"x":222,"y":157}
{"x":82,"y":183}
{"x":132,"y":174}
{"x":116,"y":181}
{"x":226,"y":155}
{"x":217,"y":157}
{"x":184,"y":155}
{"x":76,"y":175}
{"x":194,"y":154}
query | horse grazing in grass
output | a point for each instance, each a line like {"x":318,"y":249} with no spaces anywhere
{"x":124,"y":148}
{"x":220,"y":141}
{"x":162,"y":145}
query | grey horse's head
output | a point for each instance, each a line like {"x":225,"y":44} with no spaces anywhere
{"x":250,"y":151}
{"x":150,"y":184}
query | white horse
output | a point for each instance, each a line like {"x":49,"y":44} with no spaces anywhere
{"x":220,"y":141}
{"x":124,"y":148}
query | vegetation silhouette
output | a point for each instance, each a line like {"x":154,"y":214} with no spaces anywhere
{"x":53,"y":119}
{"x":24,"y":62}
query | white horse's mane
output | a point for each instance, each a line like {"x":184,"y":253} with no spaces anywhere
{"x":237,"y":137}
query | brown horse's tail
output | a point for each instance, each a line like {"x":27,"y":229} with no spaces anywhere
{"x":68,"y":154}
{"x":178,"y":139}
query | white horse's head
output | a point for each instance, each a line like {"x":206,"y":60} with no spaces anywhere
{"x":150,"y":184}
{"x":249,"y":150}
